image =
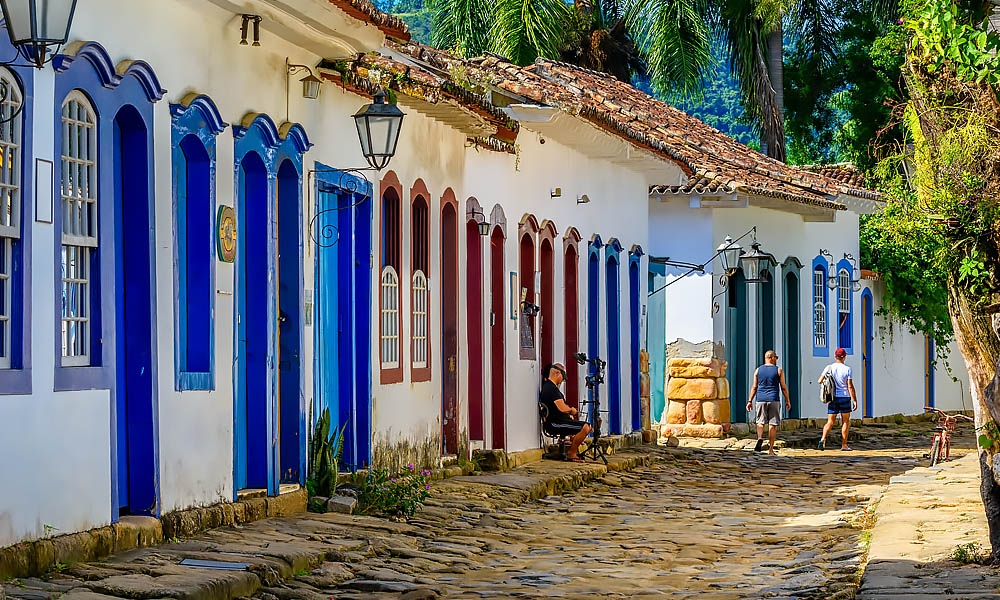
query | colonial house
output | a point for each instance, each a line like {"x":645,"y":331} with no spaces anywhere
{"x":194,"y":261}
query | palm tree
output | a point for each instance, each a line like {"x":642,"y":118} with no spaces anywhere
{"x":669,"y":41}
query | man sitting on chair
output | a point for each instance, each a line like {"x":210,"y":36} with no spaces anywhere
{"x":562,"y":418}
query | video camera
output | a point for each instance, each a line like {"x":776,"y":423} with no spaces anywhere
{"x":596,"y":374}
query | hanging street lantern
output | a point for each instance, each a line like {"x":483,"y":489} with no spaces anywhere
{"x":378,"y":129}
{"x":755,"y":264}
{"x":729,"y":254}
{"x":38,"y":27}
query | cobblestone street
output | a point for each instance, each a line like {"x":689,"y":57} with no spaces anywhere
{"x":684,"y":522}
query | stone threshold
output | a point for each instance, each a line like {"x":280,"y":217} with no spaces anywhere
{"x":37,"y":557}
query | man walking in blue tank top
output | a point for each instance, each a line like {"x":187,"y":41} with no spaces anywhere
{"x":768,"y":383}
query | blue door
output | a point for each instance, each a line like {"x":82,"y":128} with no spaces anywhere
{"x":736,"y":347}
{"x":291,"y":413}
{"x":342,"y":230}
{"x":134,"y":381}
{"x":792,"y":358}
{"x":614,"y":302}
{"x":634,"y":302}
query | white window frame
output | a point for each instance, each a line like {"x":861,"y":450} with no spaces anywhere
{"x":819,"y":309}
{"x":389,"y":334}
{"x":420,"y":311}
{"x":78,"y":202}
{"x":843,"y":292}
{"x":10,"y":207}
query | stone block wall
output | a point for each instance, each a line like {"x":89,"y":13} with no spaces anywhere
{"x":697,"y":398}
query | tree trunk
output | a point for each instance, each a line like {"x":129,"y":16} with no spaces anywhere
{"x":772,"y":143}
{"x":979,"y":342}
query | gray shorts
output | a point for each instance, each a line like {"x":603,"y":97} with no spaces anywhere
{"x":768,"y":413}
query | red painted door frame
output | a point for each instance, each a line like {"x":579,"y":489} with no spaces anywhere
{"x":474,"y":324}
{"x":449,"y":325}
{"x":547,"y":326}
{"x":498,"y":360}
{"x":571,"y":316}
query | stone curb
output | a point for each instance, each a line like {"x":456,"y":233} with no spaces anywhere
{"x":37,"y":557}
{"x":284,"y":561}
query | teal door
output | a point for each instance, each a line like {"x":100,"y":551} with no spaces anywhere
{"x":736,"y":347}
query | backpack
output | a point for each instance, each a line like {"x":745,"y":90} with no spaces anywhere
{"x":826,"y":388}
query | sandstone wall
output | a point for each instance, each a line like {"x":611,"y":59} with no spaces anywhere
{"x":697,"y":398}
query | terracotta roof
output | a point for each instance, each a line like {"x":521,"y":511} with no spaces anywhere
{"x":847,"y":174}
{"x":708,"y":157}
{"x":363,"y":10}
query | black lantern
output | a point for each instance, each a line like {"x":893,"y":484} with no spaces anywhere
{"x":481,"y":222}
{"x":37,"y":26}
{"x":756,"y":264}
{"x":729,"y":254}
{"x":378,"y":129}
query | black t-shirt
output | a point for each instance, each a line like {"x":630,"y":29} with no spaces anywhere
{"x":548,"y":396}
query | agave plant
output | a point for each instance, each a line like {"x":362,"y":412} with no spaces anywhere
{"x":325,"y":448}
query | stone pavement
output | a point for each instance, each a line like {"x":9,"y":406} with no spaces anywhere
{"x":677,"y":522}
{"x":922,"y":517}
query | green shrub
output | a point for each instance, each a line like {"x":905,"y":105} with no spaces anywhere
{"x":325,"y":448}
{"x":971,"y":553}
{"x":898,"y":420}
{"x":400,"y":496}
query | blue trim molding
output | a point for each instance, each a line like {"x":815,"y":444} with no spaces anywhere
{"x":845,"y":331}
{"x":819,"y":263}
{"x":613,"y":304}
{"x":195,"y":124}
{"x":123,"y":353}
{"x":594,"y":295}
{"x":17,"y":379}
{"x":635,"y":339}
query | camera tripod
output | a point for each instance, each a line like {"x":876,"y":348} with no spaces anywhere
{"x":594,"y":380}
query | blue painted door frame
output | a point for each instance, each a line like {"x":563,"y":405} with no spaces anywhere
{"x":635,"y":302}
{"x":593,"y":307}
{"x":344,"y":278}
{"x":258,"y":430}
{"x":123,"y":351}
{"x":868,"y":336}
{"x":614,"y":306}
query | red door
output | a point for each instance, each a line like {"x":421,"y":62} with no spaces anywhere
{"x":572,"y":321}
{"x":548,"y":295}
{"x":474,"y":324}
{"x":449,"y":326}
{"x":497,"y":346}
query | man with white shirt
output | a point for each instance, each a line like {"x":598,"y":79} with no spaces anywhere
{"x":845,"y":399}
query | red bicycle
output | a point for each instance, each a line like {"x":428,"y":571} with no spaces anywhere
{"x":942,"y":434}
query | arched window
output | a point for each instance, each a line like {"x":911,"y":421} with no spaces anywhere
{"x":419,"y":284}
{"x":10,"y":213}
{"x":820,"y":346}
{"x":419,"y":320}
{"x":390,"y":318}
{"x":79,"y":226}
{"x":389,"y":289}
{"x":844,"y":320}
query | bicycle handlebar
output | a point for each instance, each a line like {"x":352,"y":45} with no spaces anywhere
{"x":944,"y":414}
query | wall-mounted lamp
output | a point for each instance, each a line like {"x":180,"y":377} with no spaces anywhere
{"x":245,"y":29}
{"x":831,"y":271}
{"x":310,"y":83}
{"x":37,"y":29}
{"x":378,"y":126}
{"x":583,"y":199}
{"x":481,"y":222}
{"x":756,"y":264}
{"x":729,"y":255}
{"x":856,"y":279}
{"x":555,"y":193}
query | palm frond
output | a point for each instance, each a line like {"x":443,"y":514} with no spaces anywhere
{"x":746,"y":42}
{"x":814,"y":31}
{"x":461,"y":26}
{"x":523,"y":30}
{"x":673,"y":36}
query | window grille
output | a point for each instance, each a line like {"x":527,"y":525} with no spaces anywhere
{"x":10,"y":208}
{"x":844,"y":291}
{"x":819,"y":308}
{"x":420,"y":297}
{"x":79,"y":225}
{"x":390,"y":318}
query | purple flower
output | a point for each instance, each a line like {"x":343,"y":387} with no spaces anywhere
{"x":428,"y":486}
{"x":409,"y":465}
{"x":393,"y":480}
{"x":900,"y":22}
{"x":425,"y":473}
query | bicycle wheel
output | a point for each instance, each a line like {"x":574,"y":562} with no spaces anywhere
{"x":935,"y":451}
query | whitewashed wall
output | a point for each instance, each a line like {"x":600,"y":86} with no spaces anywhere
{"x":63,"y":440}
{"x":617,"y":209}
{"x":899,"y":362}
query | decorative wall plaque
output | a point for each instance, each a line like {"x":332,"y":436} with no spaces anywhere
{"x":226,"y":234}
